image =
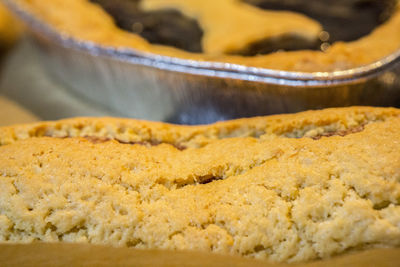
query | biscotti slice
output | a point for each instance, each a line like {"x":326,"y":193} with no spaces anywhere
{"x":284,"y":188}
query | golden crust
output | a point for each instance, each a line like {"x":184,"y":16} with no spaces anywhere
{"x":256,"y":187}
{"x":87,"y":21}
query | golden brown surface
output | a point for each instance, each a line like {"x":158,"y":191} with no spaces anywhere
{"x":87,"y":21}
{"x":270,"y":188}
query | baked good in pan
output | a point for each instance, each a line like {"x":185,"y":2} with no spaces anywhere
{"x":258,"y":33}
{"x":283,"y":188}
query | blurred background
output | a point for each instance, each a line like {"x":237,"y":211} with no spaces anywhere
{"x":10,"y":32}
{"x":45,"y":76}
{"x":28,"y":93}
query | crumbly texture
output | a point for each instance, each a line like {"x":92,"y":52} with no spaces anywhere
{"x":87,"y":21}
{"x":284,"y":188}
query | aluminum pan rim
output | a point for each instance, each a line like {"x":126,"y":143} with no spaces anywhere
{"x":212,"y":69}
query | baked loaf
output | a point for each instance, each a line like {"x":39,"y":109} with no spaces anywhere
{"x":283,"y":188}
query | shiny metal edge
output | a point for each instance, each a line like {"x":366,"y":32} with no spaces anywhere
{"x":213,"y":69}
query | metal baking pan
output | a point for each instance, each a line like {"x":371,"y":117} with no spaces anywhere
{"x":161,"y":88}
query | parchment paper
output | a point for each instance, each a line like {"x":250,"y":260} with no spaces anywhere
{"x":62,"y":254}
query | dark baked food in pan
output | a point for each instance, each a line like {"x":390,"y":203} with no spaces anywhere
{"x":294,"y":35}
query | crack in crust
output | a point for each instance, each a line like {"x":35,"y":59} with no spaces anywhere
{"x":99,"y":140}
{"x":340,"y":133}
